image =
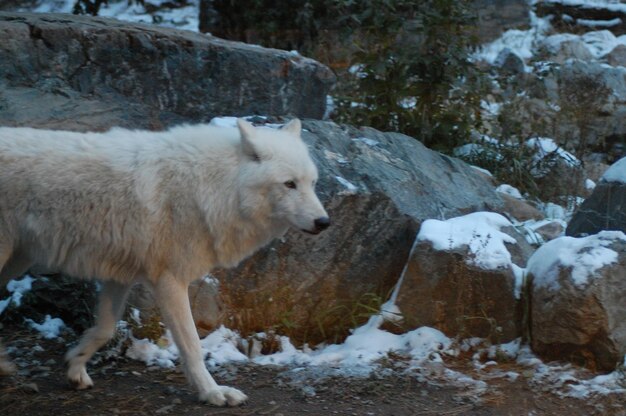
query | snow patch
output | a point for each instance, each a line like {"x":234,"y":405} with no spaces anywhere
{"x":17,"y":288}
{"x":163,"y":355}
{"x":49,"y":328}
{"x":510,"y":191}
{"x":220,"y":346}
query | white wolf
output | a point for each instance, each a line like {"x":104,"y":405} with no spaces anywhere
{"x":162,"y":209}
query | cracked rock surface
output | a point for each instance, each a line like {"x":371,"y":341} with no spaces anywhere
{"x":85,"y":73}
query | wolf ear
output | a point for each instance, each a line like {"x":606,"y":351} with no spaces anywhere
{"x":294,"y":127}
{"x":246,"y":130}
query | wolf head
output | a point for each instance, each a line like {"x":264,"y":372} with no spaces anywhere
{"x":278,"y":177}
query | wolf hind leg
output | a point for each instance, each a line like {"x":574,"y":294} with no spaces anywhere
{"x":6,"y":366}
{"x":110,"y":308}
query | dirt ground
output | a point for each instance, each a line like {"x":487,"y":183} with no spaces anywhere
{"x":127,"y":387}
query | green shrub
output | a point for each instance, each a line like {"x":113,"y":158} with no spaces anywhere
{"x":414,"y":75}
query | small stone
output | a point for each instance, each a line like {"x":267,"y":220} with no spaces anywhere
{"x":30,"y":387}
{"x":177,"y":401}
{"x":165,"y":409}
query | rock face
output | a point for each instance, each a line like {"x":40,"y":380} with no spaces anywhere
{"x":496,"y":17}
{"x":577,"y":301}
{"x":82,"y":73}
{"x":579,"y":104}
{"x":377,"y":188}
{"x":604,"y":209}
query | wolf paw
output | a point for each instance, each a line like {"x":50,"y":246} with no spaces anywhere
{"x":233,"y":396}
{"x":78,"y":377}
{"x":223,"y":396}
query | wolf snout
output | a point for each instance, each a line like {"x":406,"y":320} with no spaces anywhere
{"x":321,"y":224}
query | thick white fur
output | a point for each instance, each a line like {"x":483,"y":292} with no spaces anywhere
{"x":162,"y":209}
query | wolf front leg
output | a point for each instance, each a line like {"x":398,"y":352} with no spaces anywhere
{"x":173,"y":299}
{"x":110,"y":307}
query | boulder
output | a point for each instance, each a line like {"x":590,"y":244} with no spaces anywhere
{"x":509,"y":62}
{"x":520,"y":209}
{"x":496,"y":17}
{"x":617,"y":56}
{"x":87,"y":73}
{"x":604,"y":209}
{"x":461,"y":278}
{"x":550,"y":230}
{"x":560,"y":48}
{"x":378,"y":187}
{"x":578,"y":287}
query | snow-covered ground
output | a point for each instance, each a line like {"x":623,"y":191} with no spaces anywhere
{"x":424,"y":348}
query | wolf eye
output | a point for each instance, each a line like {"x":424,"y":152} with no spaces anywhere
{"x":290,"y":184}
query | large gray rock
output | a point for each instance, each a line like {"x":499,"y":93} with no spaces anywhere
{"x":604,"y":209}
{"x":83,"y":73}
{"x":578,"y":287}
{"x":617,"y":56}
{"x":378,"y":187}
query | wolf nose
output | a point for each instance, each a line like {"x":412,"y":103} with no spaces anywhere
{"x":321,"y":223}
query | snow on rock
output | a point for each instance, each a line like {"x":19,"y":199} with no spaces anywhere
{"x":17,"y":288}
{"x":546,"y":147}
{"x":480,"y":231}
{"x":584,"y":255}
{"x":577,"y":299}
{"x":509,"y":190}
{"x":350,"y":187}
{"x":518,"y":41}
{"x":49,"y":328}
{"x":366,"y":141}
{"x":616,"y":173}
